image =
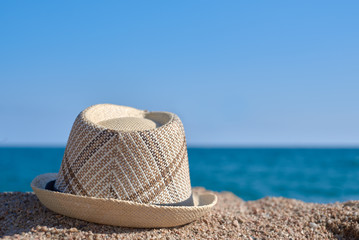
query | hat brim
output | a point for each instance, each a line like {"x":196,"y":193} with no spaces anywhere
{"x":119,"y":212}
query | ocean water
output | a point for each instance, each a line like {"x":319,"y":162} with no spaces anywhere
{"x":312,"y":175}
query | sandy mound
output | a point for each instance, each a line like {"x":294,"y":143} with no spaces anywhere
{"x":23,"y":216}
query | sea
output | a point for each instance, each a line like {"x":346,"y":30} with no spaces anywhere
{"x":322,"y":175}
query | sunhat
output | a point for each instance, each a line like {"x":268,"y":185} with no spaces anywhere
{"x":125,"y":167}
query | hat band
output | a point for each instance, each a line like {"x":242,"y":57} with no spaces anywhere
{"x":188,"y":202}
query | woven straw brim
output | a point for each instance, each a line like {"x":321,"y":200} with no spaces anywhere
{"x":118,"y":212}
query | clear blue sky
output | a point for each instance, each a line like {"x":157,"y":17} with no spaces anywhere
{"x":236,"y":72}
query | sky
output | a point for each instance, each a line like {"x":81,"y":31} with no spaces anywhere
{"x":237,"y":73}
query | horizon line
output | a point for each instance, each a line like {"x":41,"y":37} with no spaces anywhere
{"x":213,"y":146}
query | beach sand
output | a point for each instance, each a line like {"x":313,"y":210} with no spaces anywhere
{"x":23,"y":216}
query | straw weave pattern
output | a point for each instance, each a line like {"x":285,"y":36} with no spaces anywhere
{"x":148,"y":166}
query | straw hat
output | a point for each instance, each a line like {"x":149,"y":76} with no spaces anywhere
{"x":125,"y":167}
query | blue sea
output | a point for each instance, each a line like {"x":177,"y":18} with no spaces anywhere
{"x":313,"y":175}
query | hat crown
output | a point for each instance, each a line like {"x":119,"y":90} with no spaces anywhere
{"x":128,"y":154}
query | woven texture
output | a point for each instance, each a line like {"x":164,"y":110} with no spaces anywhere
{"x":145,"y":166}
{"x":117,"y":212}
{"x":128,"y":124}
